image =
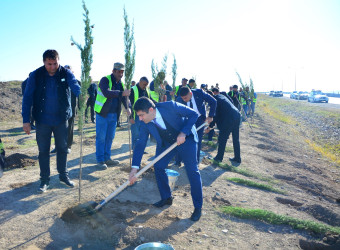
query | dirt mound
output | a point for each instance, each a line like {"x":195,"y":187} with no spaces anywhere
{"x":18,"y":160}
{"x":10,"y":100}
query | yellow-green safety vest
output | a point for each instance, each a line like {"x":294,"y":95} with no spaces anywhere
{"x":136,"y":97}
{"x":239,"y":96}
{"x":177,"y":88}
{"x":101,"y":99}
{"x":154,"y":95}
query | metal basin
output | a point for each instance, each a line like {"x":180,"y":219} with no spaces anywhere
{"x":154,"y":246}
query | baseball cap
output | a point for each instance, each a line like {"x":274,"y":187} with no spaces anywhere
{"x":118,"y":66}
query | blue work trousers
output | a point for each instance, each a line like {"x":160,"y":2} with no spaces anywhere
{"x":105,"y":133}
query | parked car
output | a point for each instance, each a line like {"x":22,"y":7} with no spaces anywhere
{"x":293,"y":95}
{"x":317,"y":96}
{"x":302,"y":95}
{"x":278,"y":94}
{"x":271,"y":93}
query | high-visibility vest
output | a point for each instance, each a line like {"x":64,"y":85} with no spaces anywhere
{"x":101,"y":99}
{"x":244,"y":102}
{"x":154,"y":95}
{"x":136,"y":97}
{"x":1,"y":146}
{"x":239,"y":96}
{"x":254,"y":100}
{"x":177,"y":88}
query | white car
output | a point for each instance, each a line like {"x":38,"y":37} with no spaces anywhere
{"x":317,"y":96}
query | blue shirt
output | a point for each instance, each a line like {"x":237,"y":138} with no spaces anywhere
{"x":50,"y":114}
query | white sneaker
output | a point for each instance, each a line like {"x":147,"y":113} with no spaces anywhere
{"x":102,"y":165}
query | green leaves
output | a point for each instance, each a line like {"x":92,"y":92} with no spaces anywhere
{"x":130,"y":54}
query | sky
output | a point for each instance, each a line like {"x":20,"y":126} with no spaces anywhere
{"x":279,"y":44}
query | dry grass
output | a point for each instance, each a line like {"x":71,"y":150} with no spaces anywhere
{"x":332,"y":152}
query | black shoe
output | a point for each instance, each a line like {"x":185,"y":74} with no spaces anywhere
{"x":177,"y":164}
{"x":44,"y":185}
{"x":235,"y":160}
{"x":196,"y":215}
{"x":67,"y":182}
{"x":162,"y":203}
{"x":54,"y":151}
{"x":217,"y":160}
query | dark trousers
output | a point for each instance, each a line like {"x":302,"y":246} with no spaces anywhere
{"x":223,"y":137}
{"x":211,"y":134}
{"x":187,"y":152}
{"x":43,"y":137}
{"x":90,"y":103}
{"x":70,"y":132}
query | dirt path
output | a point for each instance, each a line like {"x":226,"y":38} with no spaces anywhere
{"x":272,"y":149}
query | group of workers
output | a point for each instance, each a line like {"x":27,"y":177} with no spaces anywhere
{"x":47,"y":97}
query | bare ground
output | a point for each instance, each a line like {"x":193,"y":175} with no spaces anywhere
{"x":271,"y":149}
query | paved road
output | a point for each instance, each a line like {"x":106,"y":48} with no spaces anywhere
{"x":333,"y":102}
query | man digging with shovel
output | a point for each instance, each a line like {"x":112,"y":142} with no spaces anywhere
{"x":169,"y":122}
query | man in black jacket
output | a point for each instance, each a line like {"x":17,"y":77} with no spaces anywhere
{"x":235,"y":96}
{"x":227,"y":119}
{"x":92,"y":91}
{"x":48,"y":90}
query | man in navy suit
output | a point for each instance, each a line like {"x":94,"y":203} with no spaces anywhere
{"x":195,"y":99}
{"x":228,"y":121}
{"x":169,"y":122}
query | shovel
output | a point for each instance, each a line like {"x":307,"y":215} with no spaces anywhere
{"x":92,"y":207}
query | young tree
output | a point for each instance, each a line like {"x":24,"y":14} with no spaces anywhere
{"x":130,"y":54}
{"x":174,"y":73}
{"x":86,"y":62}
{"x":159,"y":76}
{"x":129,"y":40}
{"x":251,"y":87}
{"x":240,"y":80}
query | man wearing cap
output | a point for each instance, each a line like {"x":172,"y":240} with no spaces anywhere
{"x":196,"y":99}
{"x":110,"y":96}
{"x":204,"y":87}
{"x":184,"y":83}
{"x":48,"y":90}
